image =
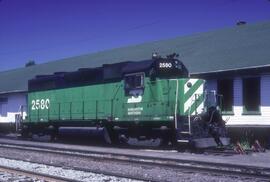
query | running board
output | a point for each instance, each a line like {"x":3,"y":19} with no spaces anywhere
{"x":209,"y":142}
{"x":183,"y":141}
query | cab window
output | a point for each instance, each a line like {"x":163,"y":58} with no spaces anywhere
{"x":134,"y":82}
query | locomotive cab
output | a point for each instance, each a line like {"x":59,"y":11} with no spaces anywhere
{"x":134,"y":84}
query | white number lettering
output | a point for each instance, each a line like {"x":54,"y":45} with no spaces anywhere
{"x":37,"y":104}
{"x":165,"y":65}
{"x":40,"y":104}
{"x":33,"y":105}
{"x":47,"y":103}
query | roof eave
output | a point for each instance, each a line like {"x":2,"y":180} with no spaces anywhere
{"x":245,"y":71}
{"x":13,"y":92}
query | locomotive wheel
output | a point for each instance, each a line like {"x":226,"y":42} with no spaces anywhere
{"x":110,"y":136}
{"x":164,"y":142}
{"x":25,"y":133}
{"x":188,"y":147}
{"x":54,"y":135}
{"x":106,"y":136}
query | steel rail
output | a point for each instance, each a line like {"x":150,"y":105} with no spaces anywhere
{"x":107,"y":173}
{"x":38,"y":175}
{"x":138,"y":178}
{"x":210,"y":167}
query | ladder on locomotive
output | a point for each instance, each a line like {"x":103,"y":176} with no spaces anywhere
{"x":186,"y":128}
{"x":19,"y":119}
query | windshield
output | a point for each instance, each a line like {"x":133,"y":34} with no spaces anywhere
{"x":212,"y":99}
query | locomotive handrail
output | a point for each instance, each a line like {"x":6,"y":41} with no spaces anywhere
{"x":168,"y":112}
{"x":55,"y":110}
{"x":193,"y":101}
{"x":19,"y":117}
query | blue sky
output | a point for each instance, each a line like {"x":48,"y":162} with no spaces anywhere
{"x":47,"y":30}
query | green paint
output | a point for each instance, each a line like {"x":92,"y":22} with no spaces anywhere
{"x":108,"y":102}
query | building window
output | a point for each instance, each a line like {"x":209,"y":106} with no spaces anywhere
{"x":3,"y":100}
{"x":251,"y":95}
{"x":225,"y":89}
{"x":3,"y":106}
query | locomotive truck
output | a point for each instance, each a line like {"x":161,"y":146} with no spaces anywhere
{"x":146,"y":99}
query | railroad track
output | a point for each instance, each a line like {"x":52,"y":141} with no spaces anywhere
{"x":52,"y":173}
{"x":225,"y":152}
{"x":35,"y":175}
{"x":190,"y":165}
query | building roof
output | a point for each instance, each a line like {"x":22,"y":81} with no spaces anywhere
{"x":240,"y":47}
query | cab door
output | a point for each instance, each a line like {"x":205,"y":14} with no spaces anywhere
{"x":134,"y":86}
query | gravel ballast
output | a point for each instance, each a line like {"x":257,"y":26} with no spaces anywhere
{"x":54,"y":171}
{"x":69,"y":163}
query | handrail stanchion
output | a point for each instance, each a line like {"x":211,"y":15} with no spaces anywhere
{"x":83,"y":110}
{"x":70,"y":110}
{"x":59,"y":111}
{"x":96,"y":109}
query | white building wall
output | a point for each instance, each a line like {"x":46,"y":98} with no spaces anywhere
{"x":248,"y":120}
{"x":12,"y":107}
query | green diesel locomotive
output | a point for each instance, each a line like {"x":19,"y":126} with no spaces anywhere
{"x":153,"y":98}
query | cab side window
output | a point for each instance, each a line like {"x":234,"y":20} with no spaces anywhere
{"x":134,"y":84}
